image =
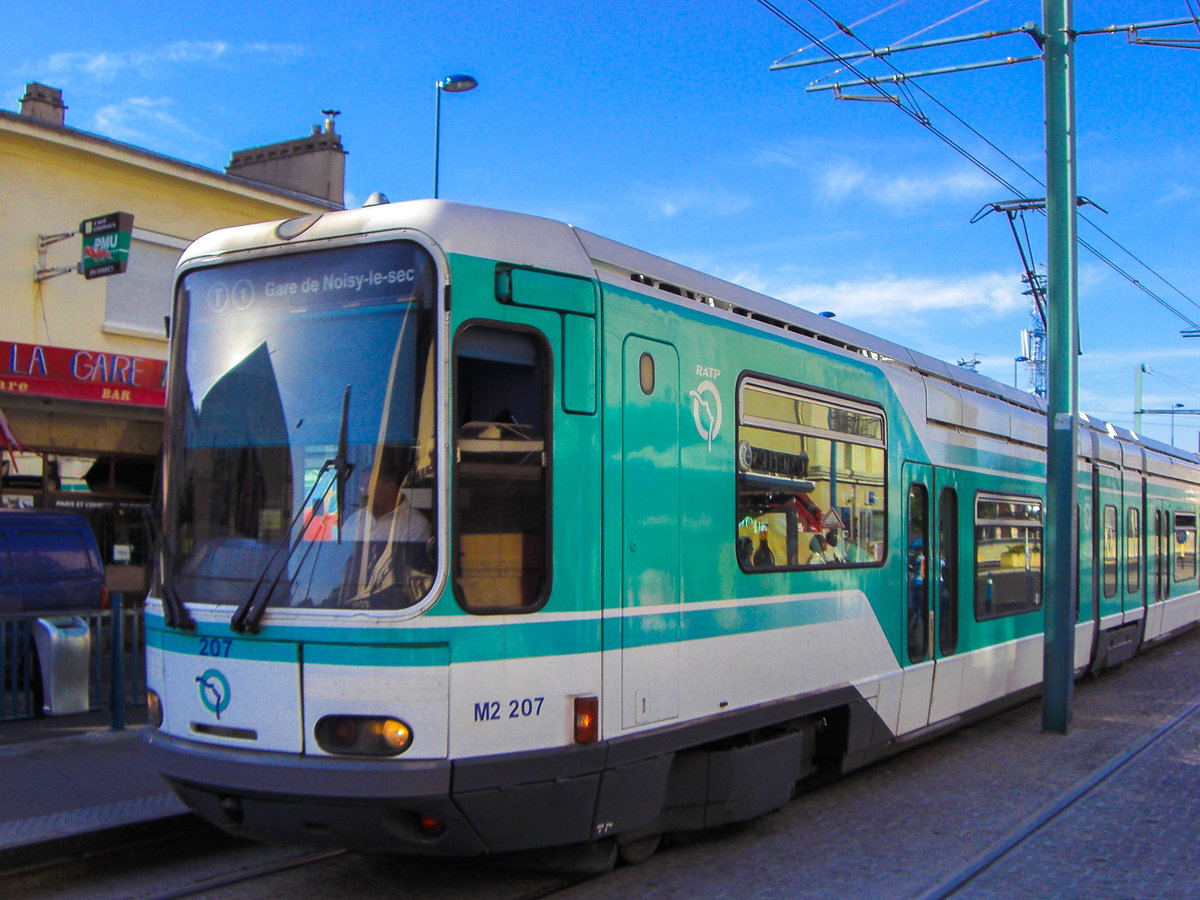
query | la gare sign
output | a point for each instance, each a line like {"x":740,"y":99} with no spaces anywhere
{"x":37,"y":371}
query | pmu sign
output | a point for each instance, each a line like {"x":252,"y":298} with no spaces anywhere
{"x":105,"y":244}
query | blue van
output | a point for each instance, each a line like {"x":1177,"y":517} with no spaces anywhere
{"x":49,"y":564}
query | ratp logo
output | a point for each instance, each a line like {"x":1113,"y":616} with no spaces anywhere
{"x":706,"y":410}
{"x":214,"y":691}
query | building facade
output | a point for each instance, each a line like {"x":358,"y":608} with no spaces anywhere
{"x":83,"y":360}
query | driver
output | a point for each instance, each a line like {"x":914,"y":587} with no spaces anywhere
{"x":391,"y":540}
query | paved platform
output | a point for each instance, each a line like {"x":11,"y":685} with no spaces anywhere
{"x":996,"y":810}
{"x":74,"y":779}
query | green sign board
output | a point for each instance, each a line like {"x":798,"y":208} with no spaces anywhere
{"x":105,"y":244}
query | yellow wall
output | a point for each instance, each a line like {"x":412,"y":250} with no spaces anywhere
{"x":51,"y":179}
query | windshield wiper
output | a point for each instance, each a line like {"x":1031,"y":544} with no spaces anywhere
{"x":341,"y":466}
{"x":249,"y":613}
{"x":175,"y":614}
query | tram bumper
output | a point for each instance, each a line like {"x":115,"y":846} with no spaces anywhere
{"x":434,"y":807}
{"x":316,"y":801}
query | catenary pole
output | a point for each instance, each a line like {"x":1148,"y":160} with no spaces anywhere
{"x":1062,"y":411}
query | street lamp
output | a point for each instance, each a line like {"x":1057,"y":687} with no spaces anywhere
{"x":1017,"y":359}
{"x":451,"y":84}
{"x":1174,"y":406}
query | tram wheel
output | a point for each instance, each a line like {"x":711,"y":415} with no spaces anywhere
{"x":635,"y":852}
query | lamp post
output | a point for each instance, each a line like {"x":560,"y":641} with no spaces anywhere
{"x":1017,"y":359}
{"x":451,"y":84}
{"x":1174,"y":406}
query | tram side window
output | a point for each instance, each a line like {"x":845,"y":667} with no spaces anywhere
{"x":810,"y":479}
{"x":1109,"y":551}
{"x":948,"y":562}
{"x":501,"y":512}
{"x":1185,"y":546}
{"x":1008,"y":555}
{"x":1133,"y":541}
{"x":918,"y":573}
{"x":1161,"y":581}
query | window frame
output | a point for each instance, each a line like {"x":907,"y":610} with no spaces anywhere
{"x":1133,"y":549}
{"x":919,"y":572}
{"x":743,"y":473}
{"x":546,"y":362}
{"x":134,"y":293}
{"x":1110,"y":577}
{"x":1162,"y":578}
{"x":1033,"y":603}
{"x":948,"y":563}
{"x":1181,"y":570}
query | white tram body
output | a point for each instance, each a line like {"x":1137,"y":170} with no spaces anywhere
{"x":485,"y":533}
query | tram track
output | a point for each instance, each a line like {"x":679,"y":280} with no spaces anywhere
{"x":1044,"y":817}
{"x":421,"y":876}
{"x":232,"y":879}
{"x":193,"y":859}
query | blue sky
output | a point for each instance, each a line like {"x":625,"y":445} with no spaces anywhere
{"x":660,"y":125}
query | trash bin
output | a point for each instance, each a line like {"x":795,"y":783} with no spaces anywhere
{"x":64,"y":647}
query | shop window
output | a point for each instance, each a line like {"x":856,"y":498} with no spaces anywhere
{"x":138,"y":300}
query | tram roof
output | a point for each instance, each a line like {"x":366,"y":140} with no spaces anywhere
{"x":528,"y":240}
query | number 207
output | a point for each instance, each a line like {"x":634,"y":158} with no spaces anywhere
{"x":218,"y":647}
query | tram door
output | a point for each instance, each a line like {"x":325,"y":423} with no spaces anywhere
{"x":650,"y":586}
{"x":931,"y":596}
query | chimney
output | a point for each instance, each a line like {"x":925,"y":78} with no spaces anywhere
{"x":44,"y":103}
{"x":314,"y":165}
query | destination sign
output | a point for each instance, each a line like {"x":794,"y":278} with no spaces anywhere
{"x":364,"y":275}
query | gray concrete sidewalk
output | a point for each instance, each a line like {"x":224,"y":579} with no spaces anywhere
{"x":73,"y":776}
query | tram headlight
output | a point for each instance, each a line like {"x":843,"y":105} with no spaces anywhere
{"x":154,"y":710}
{"x":363,"y":735}
{"x":395,"y":734}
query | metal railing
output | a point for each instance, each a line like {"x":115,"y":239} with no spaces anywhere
{"x":117,"y":656}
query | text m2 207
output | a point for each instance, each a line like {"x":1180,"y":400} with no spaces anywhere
{"x":495,"y":710}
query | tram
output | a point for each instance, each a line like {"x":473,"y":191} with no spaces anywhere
{"x":484,"y":533}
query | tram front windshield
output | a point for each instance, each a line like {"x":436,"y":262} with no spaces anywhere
{"x":301,"y":461}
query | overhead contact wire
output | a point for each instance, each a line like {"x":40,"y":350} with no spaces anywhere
{"x":924,"y":121}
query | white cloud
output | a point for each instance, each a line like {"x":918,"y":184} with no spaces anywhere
{"x":841,"y":181}
{"x":107,"y":66}
{"x":1175,"y":192}
{"x":907,"y":191}
{"x":136,"y":119}
{"x":695,"y":200}
{"x":985,"y":296}
{"x":850,"y":181}
{"x":841,"y":175}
